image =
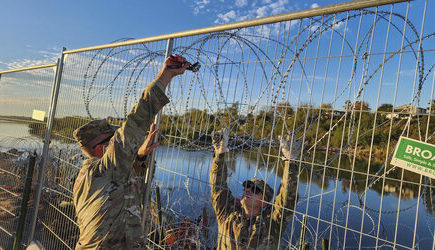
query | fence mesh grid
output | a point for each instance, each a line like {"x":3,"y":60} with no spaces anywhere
{"x":20,"y":94}
{"x":343,"y":88}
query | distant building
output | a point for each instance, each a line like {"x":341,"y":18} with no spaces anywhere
{"x":405,"y":110}
{"x":392,"y":116}
{"x":413,"y":110}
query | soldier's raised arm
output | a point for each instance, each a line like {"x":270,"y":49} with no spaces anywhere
{"x":285,"y":201}
{"x":107,"y":191}
{"x":128,"y":139}
{"x":221,"y":196}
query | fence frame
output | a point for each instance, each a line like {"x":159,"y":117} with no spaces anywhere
{"x":46,"y":141}
{"x":28,"y":68}
{"x":19,"y":240}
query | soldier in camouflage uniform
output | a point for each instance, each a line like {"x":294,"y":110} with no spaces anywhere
{"x":252,"y":223}
{"x":109,"y":188}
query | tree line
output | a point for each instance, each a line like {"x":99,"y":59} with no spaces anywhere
{"x":321,"y":127}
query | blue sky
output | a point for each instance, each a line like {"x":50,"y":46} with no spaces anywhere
{"x":33,"y":32}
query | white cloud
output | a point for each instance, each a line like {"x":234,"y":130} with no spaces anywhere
{"x":315,"y":5}
{"x":49,"y":56}
{"x":227,"y":17}
{"x":242,"y":18}
{"x":199,"y":5}
{"x":24,"y":63}
{"x":315,"y":28}
{"x":279,"y":6}
{"x":262,"y":12}
{"x":407,"y":72}
{"x":241,"y":3}
{"x":338,"y":25}
{"x":388,"y":84}
{"x":242,"y":9}
{"x":50,"y":53}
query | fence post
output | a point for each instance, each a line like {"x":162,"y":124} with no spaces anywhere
{"x":160,"y":231}
{"x":150,"y":170}
{"x":325,"y":244}
{"x":303,"y":230}
{"x":26,"y":194}
{"x":44,"y":155}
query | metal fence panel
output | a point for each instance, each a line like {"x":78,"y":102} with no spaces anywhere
{"x":95,"y":85}
{"x":21,"y":94}
{"x":326,"y":79}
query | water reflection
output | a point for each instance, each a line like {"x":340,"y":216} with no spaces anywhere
{"x":16,"y":135}
{"x":358,"y":180}
{"x":335,"y":197}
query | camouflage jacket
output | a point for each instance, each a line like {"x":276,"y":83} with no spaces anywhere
{"x":108,"y":191}
{"x":236,"y":231}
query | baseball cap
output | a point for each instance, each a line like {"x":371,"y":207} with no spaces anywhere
{"x":86,"y":134}
{"x":263,"y":186}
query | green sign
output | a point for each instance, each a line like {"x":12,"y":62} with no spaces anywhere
{"x":415,"y":156}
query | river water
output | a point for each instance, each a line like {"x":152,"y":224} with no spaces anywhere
{"x":333,"y":200}
{"x":16,"y":135}
{"x":328,"y":200}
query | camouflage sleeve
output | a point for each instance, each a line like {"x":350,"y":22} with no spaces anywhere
{"x":221,"y":196}
{"x":122,"y":149}
{"x":285,"y":201}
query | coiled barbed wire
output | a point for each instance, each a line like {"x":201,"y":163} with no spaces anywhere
{"x":276,"y":74}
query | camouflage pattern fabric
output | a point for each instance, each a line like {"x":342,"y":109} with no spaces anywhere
{"x":236,"y":231}
{"x":88,"y":133}
{"x":108,"y":191}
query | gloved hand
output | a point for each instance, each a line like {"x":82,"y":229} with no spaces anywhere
{"x":175,"y":65}
{"x":294,"y":152}
{"x":220,"y":140}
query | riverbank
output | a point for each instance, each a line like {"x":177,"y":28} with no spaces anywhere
{"x":377,"y":154}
